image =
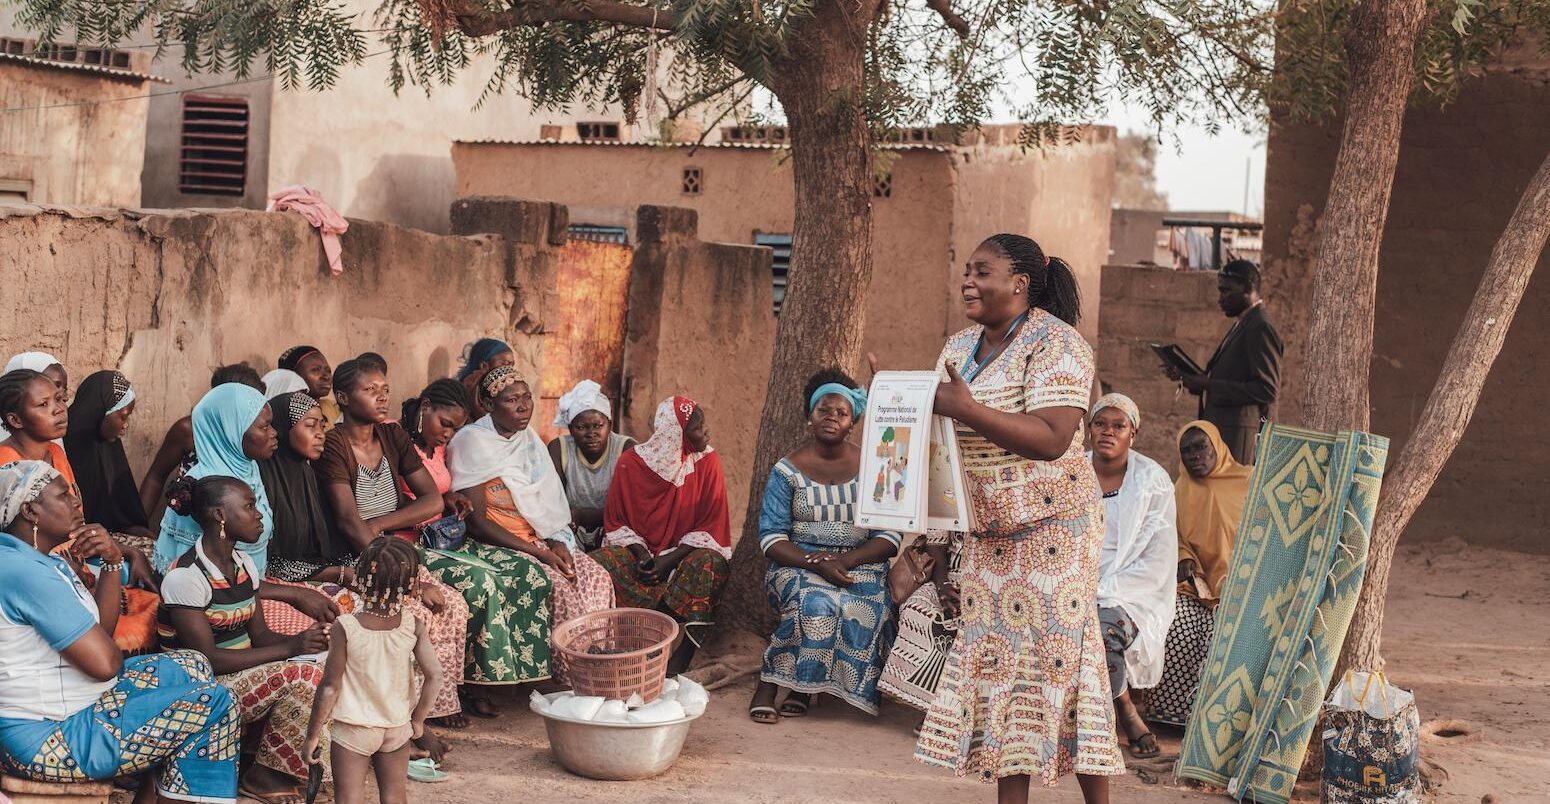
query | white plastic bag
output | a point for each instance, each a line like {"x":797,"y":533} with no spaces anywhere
{"x":540,"y":703}
{"x":692,"y":696}
{"x":580,"y":707}
{"x":610,"y":712}
{"x":658,"y":711}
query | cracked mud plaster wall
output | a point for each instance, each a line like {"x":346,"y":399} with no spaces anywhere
{"x":167,"y":296}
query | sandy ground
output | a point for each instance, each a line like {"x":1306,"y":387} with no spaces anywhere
{"x":1467,"y":629}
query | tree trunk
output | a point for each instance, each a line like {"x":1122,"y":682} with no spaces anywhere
{"x":820,"y":86}
{"x":1380,"y":48}
{"x":1380,"y":60}
{"x":1450,"y":406}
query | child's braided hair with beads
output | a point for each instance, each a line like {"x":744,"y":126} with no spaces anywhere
{"x":386,"y":573}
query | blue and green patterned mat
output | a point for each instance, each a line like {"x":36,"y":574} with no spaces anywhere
{"x":1296,"y":572}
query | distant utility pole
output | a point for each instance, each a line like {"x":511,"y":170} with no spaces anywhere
{"x":1248,"y":164}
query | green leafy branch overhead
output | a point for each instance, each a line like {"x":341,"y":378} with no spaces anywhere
{"x":949,"y":62}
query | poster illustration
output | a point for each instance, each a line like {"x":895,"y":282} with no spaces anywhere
{"x":947,"y":501}
{"x":893,"y":457}
{"x":907,"y":456}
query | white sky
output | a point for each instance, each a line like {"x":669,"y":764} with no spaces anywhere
{"x":1199,"y":171}
{"x":1196,"y":170}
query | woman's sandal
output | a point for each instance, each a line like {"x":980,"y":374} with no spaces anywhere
{"x":763,"y":714}
{"x":1139,"y":746}
{"x":792,"y":707}
{"x":426,"y":770}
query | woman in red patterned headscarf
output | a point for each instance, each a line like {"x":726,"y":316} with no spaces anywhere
{"x":667,"y":536}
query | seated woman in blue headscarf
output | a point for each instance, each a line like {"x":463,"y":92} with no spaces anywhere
{"x":71,"y":708}
{"x":826,"y":577}
{"x":478,"y":358}
{"x":233,"y":430}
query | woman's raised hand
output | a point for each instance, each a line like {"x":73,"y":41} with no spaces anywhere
{"x":92,"y":541}
{"x":873,"y":364}
{"x":952,"y":396}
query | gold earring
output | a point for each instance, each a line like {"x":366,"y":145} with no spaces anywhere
{"x":34,"y":534}
{"x":223,"y":529}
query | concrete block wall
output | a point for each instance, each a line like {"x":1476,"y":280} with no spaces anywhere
{"x":1144,"y":305}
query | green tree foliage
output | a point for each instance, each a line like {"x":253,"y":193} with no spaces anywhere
{"x":936,"y":62}
{"x":1460,"y":39}
{"x":947,"y":62}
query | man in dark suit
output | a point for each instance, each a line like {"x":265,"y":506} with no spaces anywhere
{"x":1239,"y":387}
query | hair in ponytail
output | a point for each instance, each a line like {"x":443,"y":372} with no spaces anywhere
{"x":442,"y":393}
{"x":1051,"y":283}
{"x":1061,"y":297}
{"x":196,"y":498}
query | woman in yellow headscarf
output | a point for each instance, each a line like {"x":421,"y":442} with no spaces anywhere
{"x":1209,"y":495}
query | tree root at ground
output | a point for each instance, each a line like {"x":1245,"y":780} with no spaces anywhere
{"x":730,"y":655}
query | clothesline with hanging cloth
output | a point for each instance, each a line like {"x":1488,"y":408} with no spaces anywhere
{"x":1291,"y":590}
{"x":306,"y":202}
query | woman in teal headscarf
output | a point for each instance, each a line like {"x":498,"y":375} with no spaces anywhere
{"x":233,"y":430}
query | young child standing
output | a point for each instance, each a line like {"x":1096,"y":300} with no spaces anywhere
{"x":368,"y":684}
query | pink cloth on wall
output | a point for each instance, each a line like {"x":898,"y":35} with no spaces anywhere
{"x":329,"y":223}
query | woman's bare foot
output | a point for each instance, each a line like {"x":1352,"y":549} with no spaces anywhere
{"x":456,"y":721}
{"x":480,"y":706}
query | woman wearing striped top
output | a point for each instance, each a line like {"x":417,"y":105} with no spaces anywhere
{"x":210,"y":604}
{"x":826,"y":577}
{"x":366,"y":465}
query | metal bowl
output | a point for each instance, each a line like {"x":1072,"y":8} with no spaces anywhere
{"x":618,"y":752}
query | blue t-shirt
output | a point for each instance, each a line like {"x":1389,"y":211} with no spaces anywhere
{"x":43,"y":610}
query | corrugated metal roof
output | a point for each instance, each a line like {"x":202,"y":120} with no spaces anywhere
{"x":751,"y":146}
{"x":109,"y":72}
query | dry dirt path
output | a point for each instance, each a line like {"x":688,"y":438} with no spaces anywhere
{"x":1468,"y":629}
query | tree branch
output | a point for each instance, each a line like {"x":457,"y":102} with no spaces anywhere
{"x":1474,"y":350}
{"x":476,"y":20}
{"x":685,"y":104}
{"x":944,"y":9}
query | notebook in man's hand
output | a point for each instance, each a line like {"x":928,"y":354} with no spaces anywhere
{"x":1172,"y":355}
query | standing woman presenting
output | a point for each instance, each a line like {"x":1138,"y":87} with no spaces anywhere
{"x":1026,"y":691}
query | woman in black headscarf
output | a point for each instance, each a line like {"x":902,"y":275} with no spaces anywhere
{"x":305,"y":549}
{"x":99,"y":417}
